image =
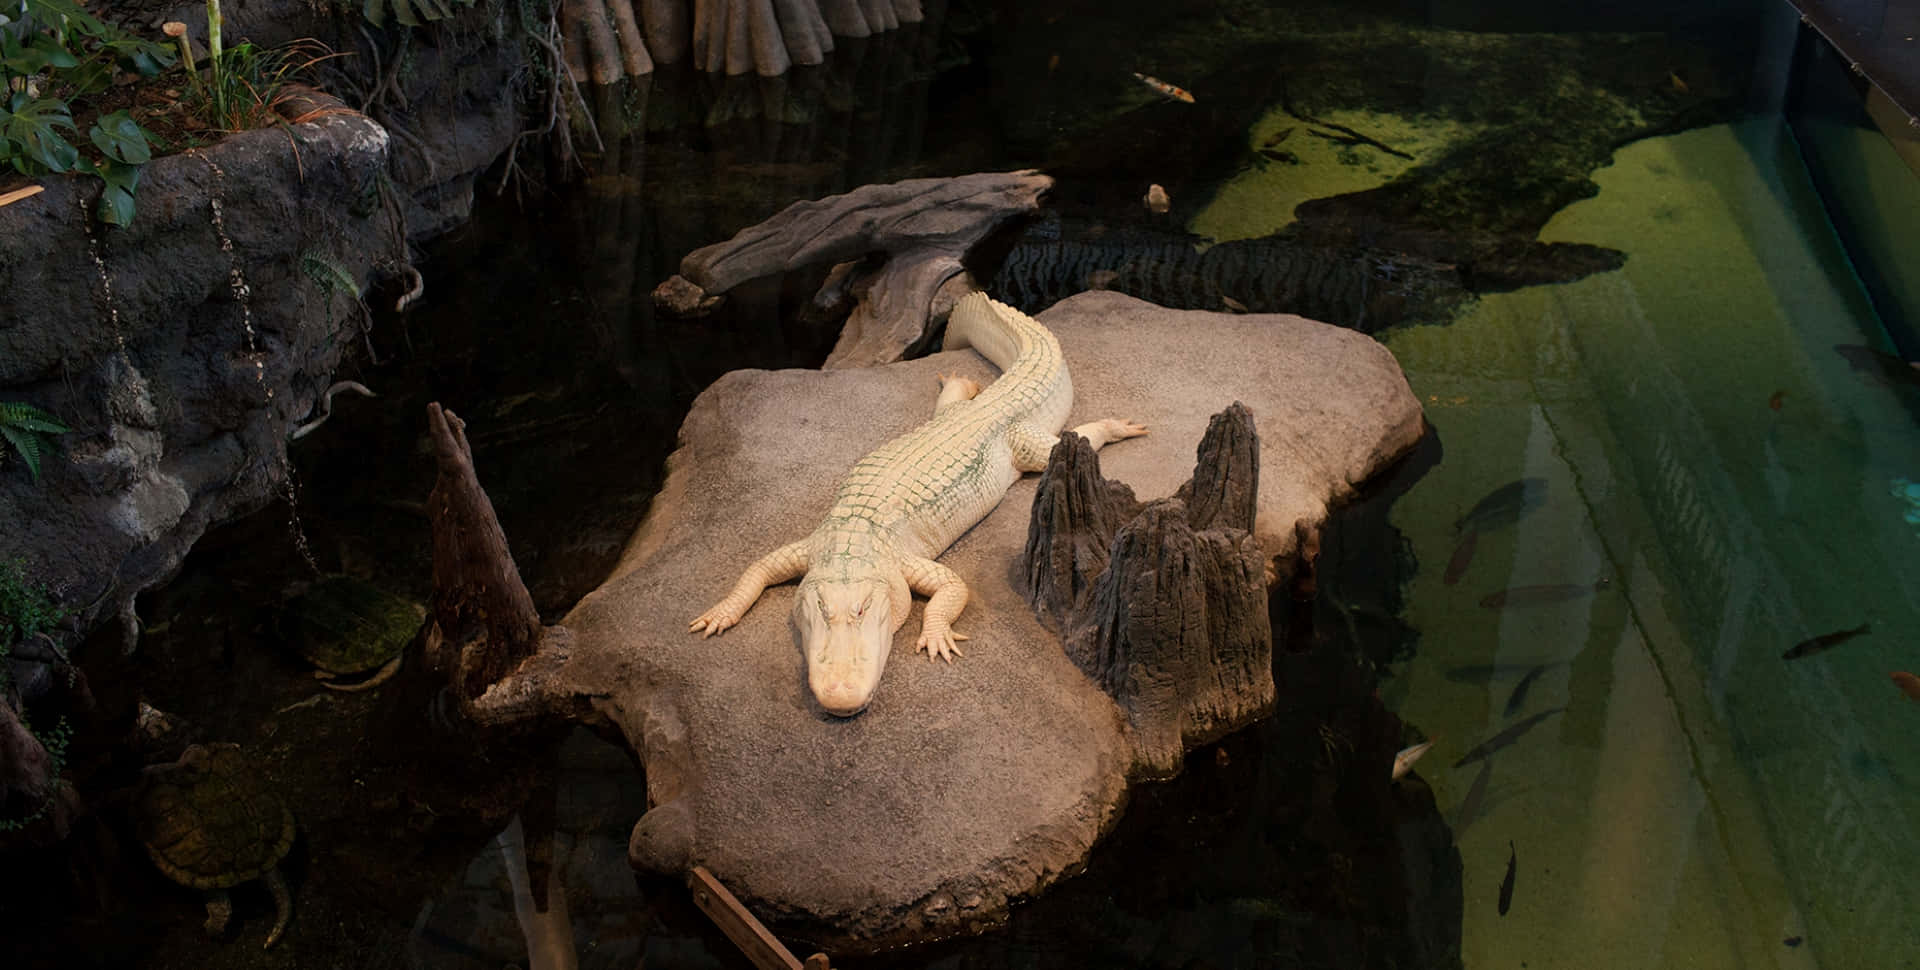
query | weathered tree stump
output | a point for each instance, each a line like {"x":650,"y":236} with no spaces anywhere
{"x":484,"y":617}
{"x":1164,"y":606}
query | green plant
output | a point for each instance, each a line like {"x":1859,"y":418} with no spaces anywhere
{"x":27,"y":428}
{"x":53,"y":56}
{"x":243,"y":82}
{"x":25,"y":608}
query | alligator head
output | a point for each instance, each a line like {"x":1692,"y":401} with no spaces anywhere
{"x":845,"y":626}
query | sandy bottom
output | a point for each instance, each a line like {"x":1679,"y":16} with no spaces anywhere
{"x":1700,"y":802}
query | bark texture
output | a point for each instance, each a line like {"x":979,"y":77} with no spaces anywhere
{"x":1165,"y":606}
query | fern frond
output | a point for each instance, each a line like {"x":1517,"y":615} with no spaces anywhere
{"x":328,"y":274}
{"x":27,"y":444}
{"x":18,"y":414}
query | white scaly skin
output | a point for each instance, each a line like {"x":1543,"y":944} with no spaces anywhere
{"x":909,"y":500}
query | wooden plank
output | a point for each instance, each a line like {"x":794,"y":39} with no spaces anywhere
{"x":746,"y":932}
{"x":18,"y":194}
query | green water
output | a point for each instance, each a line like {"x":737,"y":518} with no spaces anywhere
{"x":1700,"y":800}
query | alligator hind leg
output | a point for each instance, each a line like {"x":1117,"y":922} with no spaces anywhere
{"x":1031,"y":446}
{"x":955,"y":388}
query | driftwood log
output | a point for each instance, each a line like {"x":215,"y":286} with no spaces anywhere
{"x":1164,"y":605}
{"x":607,"y":40}
{"x":923,"y":226}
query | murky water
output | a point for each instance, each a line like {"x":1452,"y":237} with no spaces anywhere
{"x":1719,"y":484}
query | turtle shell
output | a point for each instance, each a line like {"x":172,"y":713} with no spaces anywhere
{"x":209,"y":820}
{"x":345,"y":626}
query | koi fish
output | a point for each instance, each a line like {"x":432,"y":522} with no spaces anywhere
{"x":1504,"y":505}
{"x":1505,"y":737}
{"x":1506,"y":885}
{"x":1538,"y":595}
{"x":1462,"y":557}
{"x":1175,"y":92}
{"x":1824,"y":641}
{"x":1403,"y":762}
{"x":1907,"y":682}
{"x":1156,"y":199}
{"x":1470,"y":806}
{"x":1778,"y":400}
{"x":1518,"y":698}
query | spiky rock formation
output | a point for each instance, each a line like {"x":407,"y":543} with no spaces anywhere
{"x":1164,"y":606}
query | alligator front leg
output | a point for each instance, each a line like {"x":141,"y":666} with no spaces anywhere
{"x":955,"y":388}
{"x":1031,"y":446}
{"x":787,"y":562}
{"x":946,"y":596}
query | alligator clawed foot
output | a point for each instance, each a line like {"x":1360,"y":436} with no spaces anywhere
{"x":712,"y":621}
{"x":941,"y":645}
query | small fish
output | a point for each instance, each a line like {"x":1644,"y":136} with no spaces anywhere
{"x":1778,"y":400}
{"x":1879,"y":366}
{"x":1506,"y":885}
{"x":1403,"y":762}
{"x":1907,"y":682}
{"x":1504,"y":505}
{"x":1540,"y":595}
{"x":1175,"y":92}
{"x":1824,"y":641}
{"x":1052,"y":63}
{"x":1486,"y":673}
{"x":1679,"y":86}
{"x":1519,"y":696}
{"x":1504,"y":738}
{"x":1276,"y":138}
{"x":1156,"y":199}
{"x":1232,"y":305}
{"x":1279,"y":155}
{"x":1462,"y":557}
{"x":1476,"y":796}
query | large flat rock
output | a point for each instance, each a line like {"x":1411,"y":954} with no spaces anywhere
{"x":963,"y":786}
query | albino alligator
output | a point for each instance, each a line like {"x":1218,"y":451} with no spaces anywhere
{"x":906,"y":502}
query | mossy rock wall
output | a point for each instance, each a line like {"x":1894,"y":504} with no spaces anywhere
{"x":180,"y":392}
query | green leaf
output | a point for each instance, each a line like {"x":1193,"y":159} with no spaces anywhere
{"x":121,"y":138}
{"x":56,"y":54}
{"x":376,"y":12}
{"x":27,"y":445}
{"x":31,"y":126}
{"x":19,"y":414}
{"x":116,"y":206}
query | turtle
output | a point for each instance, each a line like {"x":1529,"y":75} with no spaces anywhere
{"x":209,"y":821}
{"x":347,"y":627}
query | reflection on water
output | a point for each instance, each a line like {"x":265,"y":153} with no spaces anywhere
{"x":1703,"y":481}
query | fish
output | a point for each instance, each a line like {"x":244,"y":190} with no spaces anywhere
{"x":1540,"y":595}
{"x":1476,"y":795}
{"x":1778,"y":400}
{"x":1173,"y":91}
{"x":1485,"y":673}
{"x":1506,"y":885}
{"x":1504,"y":505}
{"x":1519,"y":696}
{"x":1232,"y":305}
{"x":1504,"y":738}
{"x":1879,"y":366}
{"x":1679,"y":86}
{"x":1462,"y":557}
{"x":1824,"y":641}
{"x":1053,"y":63}
{"x":1907,"y":682}
{"x":1403,"y":762}
{"x":1277,"y":137}
{"x":1279,"y":155}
